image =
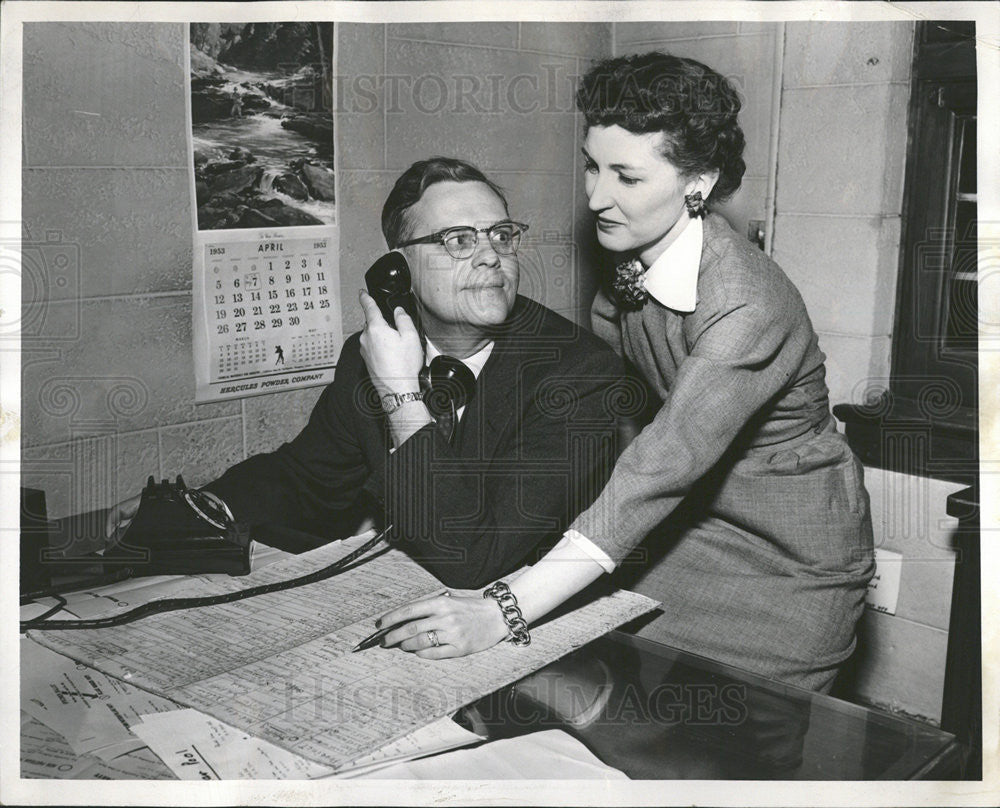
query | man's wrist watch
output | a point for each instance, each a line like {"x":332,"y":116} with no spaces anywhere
{"x":393,"y":401}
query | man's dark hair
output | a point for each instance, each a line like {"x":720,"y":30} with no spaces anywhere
{"x":415,"y":181}
{"x":694,"y":107}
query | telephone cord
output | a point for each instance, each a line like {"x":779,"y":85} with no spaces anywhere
{"x":174,"y":604}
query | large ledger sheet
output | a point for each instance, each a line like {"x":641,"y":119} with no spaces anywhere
{"x":280,"y":665}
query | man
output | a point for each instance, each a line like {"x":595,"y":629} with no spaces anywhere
{"x":533,"y":445}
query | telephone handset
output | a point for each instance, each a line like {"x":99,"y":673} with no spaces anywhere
{"x":447,"y":384}
{"x":388,"y":281}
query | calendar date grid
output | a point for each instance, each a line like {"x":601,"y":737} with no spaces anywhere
{"x":269,"y":312}
{"x":264,"y":296}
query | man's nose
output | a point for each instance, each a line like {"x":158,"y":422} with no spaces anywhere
{"x":485,"y":254}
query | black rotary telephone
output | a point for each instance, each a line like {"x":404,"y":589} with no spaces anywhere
{"x":176,"y":530}
{"x":181,"y":531}
{"x":447,"y":384}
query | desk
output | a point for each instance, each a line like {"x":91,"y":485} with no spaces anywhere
{"x":655,"y":712}
{"x":658,"y":713}
{"x":667,"y":714}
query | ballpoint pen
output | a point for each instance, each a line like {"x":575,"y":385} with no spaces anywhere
{"x":374,"y":639}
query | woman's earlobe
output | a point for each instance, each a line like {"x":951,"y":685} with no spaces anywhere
{"x":695,"y":205}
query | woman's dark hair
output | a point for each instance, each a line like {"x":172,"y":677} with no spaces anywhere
{"x":693,"y":106}
{"x":412,"y":184}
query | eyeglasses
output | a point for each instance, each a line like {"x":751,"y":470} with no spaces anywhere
{"x":461,"y":242}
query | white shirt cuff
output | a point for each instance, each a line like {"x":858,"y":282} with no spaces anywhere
{"x":591,"y":550}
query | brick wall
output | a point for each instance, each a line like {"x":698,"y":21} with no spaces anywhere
{"x":108,"y":387}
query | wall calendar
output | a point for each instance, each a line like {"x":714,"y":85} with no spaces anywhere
{"x":271,"y":313}
{"x":266,"y":288}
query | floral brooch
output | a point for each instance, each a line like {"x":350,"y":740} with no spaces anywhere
{"x":628,"y":286}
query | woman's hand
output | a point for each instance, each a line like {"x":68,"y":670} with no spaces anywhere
{"x":460,"y":625}
{"x":394,"y":356}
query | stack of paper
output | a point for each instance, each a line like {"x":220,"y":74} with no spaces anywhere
{"x":46,"y":755}
{"x":91,"y":711}
{"x":280,"y":667}
{"x":75,"y":718}
{"x":548,"y":755}
{"x":198,"y":747}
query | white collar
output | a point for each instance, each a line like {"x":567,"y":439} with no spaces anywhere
{"x":673,"y":277}
{"x":474,"y":363}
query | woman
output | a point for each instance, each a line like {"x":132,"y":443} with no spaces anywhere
{"x":749,"y":501}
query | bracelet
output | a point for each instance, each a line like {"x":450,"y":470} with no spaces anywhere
{"x":393,"y":401}
{"x":517,"y":628}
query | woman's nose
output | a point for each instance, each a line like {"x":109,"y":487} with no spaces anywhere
{"x":598,"y":198}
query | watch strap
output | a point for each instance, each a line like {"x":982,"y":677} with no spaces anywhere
{"x":393,"y":401}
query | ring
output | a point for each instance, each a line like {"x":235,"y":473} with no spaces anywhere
{"x":433,"y":637}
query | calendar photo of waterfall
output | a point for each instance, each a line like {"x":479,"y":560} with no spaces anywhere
{"x":262,"y":124}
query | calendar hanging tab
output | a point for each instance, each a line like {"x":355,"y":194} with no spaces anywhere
{"x":266,"y":287}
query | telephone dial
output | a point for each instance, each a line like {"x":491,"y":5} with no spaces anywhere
{"x":447,"y":384}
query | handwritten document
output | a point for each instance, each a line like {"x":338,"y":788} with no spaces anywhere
{"x":90,"y":710}
{"x":279,"y":666}
{"x":46,"y":755}
{"x":198,"y":747}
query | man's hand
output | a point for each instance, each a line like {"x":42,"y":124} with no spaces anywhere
{"x":120,"y":516}
{"x":394,"y":359}
{"x":394,"y":356}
